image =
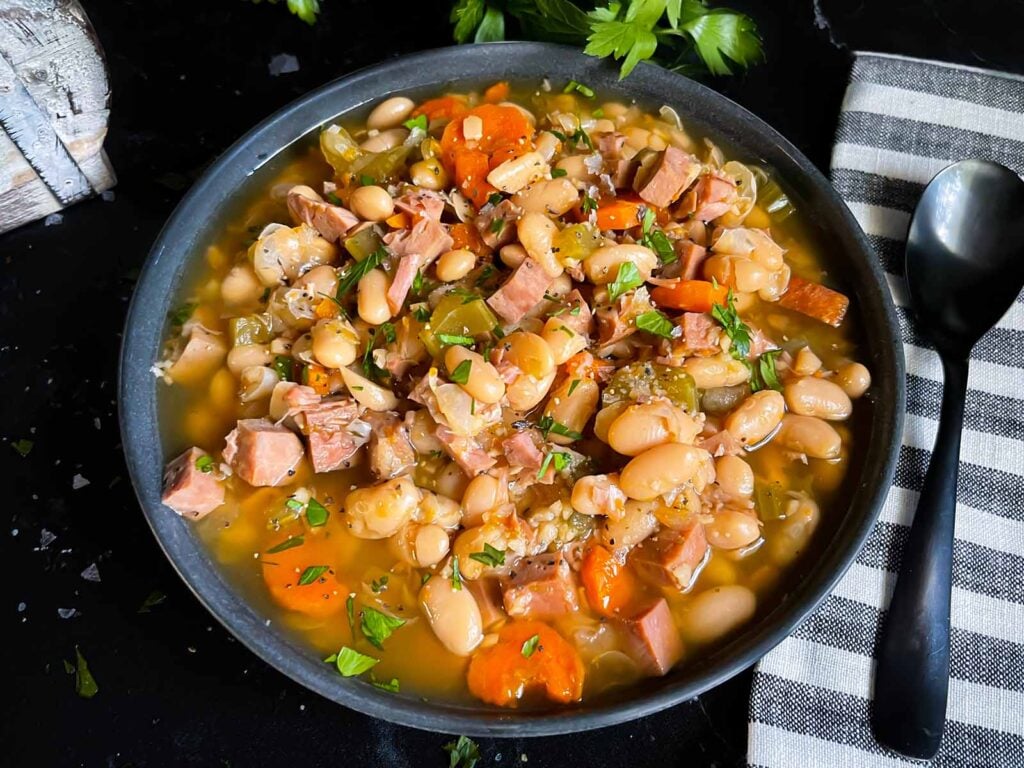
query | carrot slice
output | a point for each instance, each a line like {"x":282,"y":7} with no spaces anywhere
{"x":282,"y":571}
{"x":398,"y":220}
{"x":497,"y":92}
{"x":618,"y":214}
{"x":471,"y":169}
{"x":500,"y":674}
{"x":326,"y":309}
{"x":468,"y":237}
{"x":441,"y":108}
{"x":690,"y":295}
{"x":317,"y":377}
{"x":610,"y":586}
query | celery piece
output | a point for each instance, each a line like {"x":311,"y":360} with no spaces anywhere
{"x":364,"y":242}
{"x":251,"y":329}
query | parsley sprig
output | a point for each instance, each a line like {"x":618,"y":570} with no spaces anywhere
{"x":682,"y":35}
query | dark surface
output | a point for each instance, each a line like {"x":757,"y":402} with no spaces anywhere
{"x":188,"y":78}
{"x":186,"y":233}
{"x":947,"y":262}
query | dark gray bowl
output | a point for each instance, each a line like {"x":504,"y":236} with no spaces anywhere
{"x":852,"y":263}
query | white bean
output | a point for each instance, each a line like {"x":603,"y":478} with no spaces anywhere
{"x":512,"y":175}
{"x":390,"y":112}
{"x":453,"y":615}
{"x":717,"y":612}
{"x":379,"y":511}
{"x":756,"y":417}
{"x":810,"y":396}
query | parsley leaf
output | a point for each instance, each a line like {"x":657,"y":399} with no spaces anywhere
{"x":390,"y":335}
{"x":463,"y":753}
{"x":588,"y":205}
{"x":548,"y":424}
{"x":557,"y":173}
{"x":350,"y":662}
{"x":23,"y":447}
{"x":461,"y":373}
{"x":572,"y":387}
{"x":305,"y":9}
{"x":655,"y":322}
{"x":352,"y":274}
{"x":85,"y":683}
{"x":284,"y":367}
{"x":391,"y":687}
{"x":456,"y":574}
{"x":316,"y":513}
{"x":205,"y":463}
{"x":466,"y":15}
{"x":420,"y":121}
{"x":553,"y":458}
{"x":580,"y":88}
{"x":735,"y":329}
{"x":530,"y":646}
{"x":452,"y":339}
{"x":377,"y":626}
{"x":492,"y":28}
{"x":289,"y":543}
{"x":764,"y":375}
{"x":627,"y":278}
{"x":311,"y":574}
{"x":630,"y":38}
{"x":379,"y":585}
{"x":722,"y":34}
{"x":491,"y":556}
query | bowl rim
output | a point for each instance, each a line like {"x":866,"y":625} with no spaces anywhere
{"x":165,"y":265}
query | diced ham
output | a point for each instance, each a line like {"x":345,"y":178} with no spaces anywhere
{"x":521,"y":292}
{"x":494,"y":236}
{"x":701,"y":335}
{"x":334,"y":432}
{"x":190,"y":491}
{"x":487,"y":593}
{"x":670,"y":176}
{"x":541,"y":586}
{"x":715,"y":197}
{"x":612,"y":325}
{"x":671,"y":558}
{"x":204,"y":351}
{"x":263,"y":453}
{"x":288,"y":398}
{"x":424,"y":203}
{"x":582,"y":321}
{"x":521,"y":450}
{"x":655,"y":638}
{"x":722,"y":443}
{"x":417,"y":247}
{"x":759,"y":343}
{"x":691,"y":258}
{"x":610,"y":144}
{"x":815,"y":300}
{"x":466,"y":451}
{"x":390,"y":450}
{"x":331,"y":221}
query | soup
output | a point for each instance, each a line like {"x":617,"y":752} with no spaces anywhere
{"x":511,"y":397}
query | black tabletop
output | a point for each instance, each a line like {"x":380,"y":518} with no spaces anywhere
{"x":175,"y":689}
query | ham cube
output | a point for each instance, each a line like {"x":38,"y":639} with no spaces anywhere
{"x":334,"y":433}
{"x":542,"y":586}
{"x":390,"y":450}
{"x":263,"y":453}
{"x":671,"y":558}
{"x":815,"y":300}
{"x":487,"y":592}
{"x":191,"y":487}
{"x":701,"y":335}
{"x":655,"y":638}
{"x":670,"y":176}
{"x":331,"y":221}
{"x":523,"y":291}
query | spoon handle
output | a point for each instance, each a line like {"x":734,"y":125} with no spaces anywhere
{"x":912,"y":672}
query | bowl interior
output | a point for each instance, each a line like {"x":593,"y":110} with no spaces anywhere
{"x":847,"y":255}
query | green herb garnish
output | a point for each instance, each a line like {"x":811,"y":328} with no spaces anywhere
{"x":284,"y":367}
{"x":763,"y":374}
{"x":627,"y":278}
{"x":463,"y":753}
{"x":351,"y":662}
{"x":491,"y":556}
{"x":420,"y":121}
{"x":494,"y":198}
{"x":311,"y":574}
{"x":453,"y":339}
{"x":572,"y":387}
{"x":557,"y":173}
{"x":547,"y":424}
{"x":366,"y":181}
{"x":353,"y":273}
{"x":553,"y":458}
{"x":589,"y":204}
{"x":23,"y":447}
{"x":737,"y":331}
{"x":422,"y":314}
{"x":205,"y":463}
{"x":379,"y":585}
{"x":289,"y":543}
{"x":85,"y":683}
{"x":461,"y":373}
{"x":456,"y":574}
{"x":316,"y":513}
{"x":390,"y":687}
{"x":497,"y":226}
{"x":530,"y":646}
{"x":377,"y":626}
{"x":655,"y":239}
{"x":580,"y":88}
{"x":181,"y":315}
{"x":655,"y":322}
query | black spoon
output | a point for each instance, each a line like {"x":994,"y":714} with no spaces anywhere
{"x":965,"y":267}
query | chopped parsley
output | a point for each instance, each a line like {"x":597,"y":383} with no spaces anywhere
{"x":388,"y":329}
{"x":390,"y":687}
{"x":420,"y":121}
{"x":366,"y":181}
{"x":589,"y":204}
{"x":572,"y":387}
{"x":422,"y":314}
{"x":289,"y":543}
{"x":655,"y":322}
{"x":580,"y":136}
{"x":333,"y":199}
{"x":23,"y":447}
{"x":352,"y":274}
{"x":350,"y":662}
{"x":456,"y":574}
{"x":764,"y":375}
{"x":461,"y":373}
{"x":491,"y":556}
{"x":557,"y":173}
{"x":453,"y":339}
{"x":181,"y":315}
{"x":284,"y":367}
{"x":312,"y":573}
{"x":655,"y":239}
{"x":627,"y":278}
{"x":350,"y":610}
{"x":547,"y":424}
{"x":379,"y":585}
{"x":495,"y":198}
{"x":417,"y":283}
{"x":737,"y":331}
{"x":530,"y":646}
{"x":204,"y":463}
{"x":553,"y":458}
{"x":370,"y":367}
{"x":497,"y":226}
{"x":598,"y":113}
{"x":294,"y":505}
{"x":316,"y":513}
{"x":153,"y":599}
{"x":580,"y":88}
{"x":377,"y":626}
{"x":463,"y":753}
{"x":85,"y":683}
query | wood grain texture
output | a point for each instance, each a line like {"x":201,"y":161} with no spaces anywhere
{"x":49,"y":48}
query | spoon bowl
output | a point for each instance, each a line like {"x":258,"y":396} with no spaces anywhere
{"x":964,"y":269}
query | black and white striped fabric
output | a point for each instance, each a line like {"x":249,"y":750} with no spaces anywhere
{"x":902,"y":121}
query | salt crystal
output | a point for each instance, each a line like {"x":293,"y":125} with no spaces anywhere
{"x":68,"y":613}
{"x":96,"y":423}
{"x":14,"y":531}
{"x":53,"y":220}
{"x":78,"y":482}
{"x":46,"y":538}
{"x":282,"y":64}
{"x":21,"y":607}
{"x":92,"y":573}
{"x":108,"y":196}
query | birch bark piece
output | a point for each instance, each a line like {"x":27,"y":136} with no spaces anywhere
{"x":54,"y":92}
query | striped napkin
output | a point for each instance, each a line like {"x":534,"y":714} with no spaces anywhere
{"x":902,"y":121}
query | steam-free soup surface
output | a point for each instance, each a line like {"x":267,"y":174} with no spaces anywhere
{"x":519,"y":397}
